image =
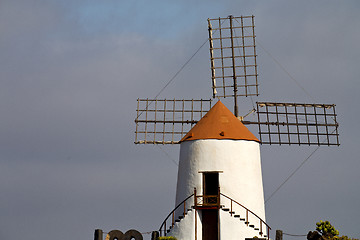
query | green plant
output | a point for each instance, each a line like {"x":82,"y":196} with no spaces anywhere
{"x":328,"y":232}
{"x":326,"y":229}
{"x":167,"y":238}
{"x":344,"y":238}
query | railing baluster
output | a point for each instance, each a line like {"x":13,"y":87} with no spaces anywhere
{"x":218,"y":197}
{"x":247,"y":217}
{"x":195,"y":198}
{"x":184,"y":208}
{"x":173,"y":219}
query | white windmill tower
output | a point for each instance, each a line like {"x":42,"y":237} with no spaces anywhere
{"x":219,"y":188}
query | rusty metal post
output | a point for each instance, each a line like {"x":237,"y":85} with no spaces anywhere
{"x":218,"y":197}
{"x":195,"y":224}
{"x":173,"y":219}
{"x":154,"y":235}
{"x":184,"y":208}
{"x":98,"y":235}
{"x":195,"y":206}
{"x":195,"y":198}
{"x":279,"y":235}
{"x":247,"y":217}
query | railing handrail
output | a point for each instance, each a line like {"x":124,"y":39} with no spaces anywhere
{"x":247,"y":210}
{"x":164,"y":222}
{"x":219,"y":194}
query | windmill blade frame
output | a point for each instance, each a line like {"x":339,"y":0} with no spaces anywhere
{"x":233,"y":56}
{"x":233,"y":62}
{"x":166,"y":121}
{"x":297,"y":123}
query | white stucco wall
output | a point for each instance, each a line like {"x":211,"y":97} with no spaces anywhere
{"x":241,"y":178}
{"x":185,"y":229}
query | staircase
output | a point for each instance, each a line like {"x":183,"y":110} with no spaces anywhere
{"x":259,"y":226}
{"x":198,"y":202}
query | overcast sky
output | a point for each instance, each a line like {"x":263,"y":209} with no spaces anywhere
{"x":70,"y":74}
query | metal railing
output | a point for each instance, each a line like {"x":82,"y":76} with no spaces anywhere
{"x":212,"y":201}
{"x":207,"y":200}
{"x":163,"y":229}
{"x":262,"y":223}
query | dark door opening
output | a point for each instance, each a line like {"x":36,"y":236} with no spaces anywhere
{"x":210,"y":224}
{"x":211,"y":187}
{"x":210,"y":212}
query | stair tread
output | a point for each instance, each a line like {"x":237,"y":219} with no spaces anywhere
{"x":236,"y":216}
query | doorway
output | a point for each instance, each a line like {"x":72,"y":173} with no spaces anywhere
{"x":210,"y":224}
{"x":210,"y":187}
{"x":211,"y":201}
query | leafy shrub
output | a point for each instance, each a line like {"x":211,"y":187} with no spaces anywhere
{"x":326,"y":229}
{"x":167,"y":238}
{"x":329,"y":232}
{"x":344,"y":238}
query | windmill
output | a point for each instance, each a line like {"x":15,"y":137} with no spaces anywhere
{"x":219,"y":189}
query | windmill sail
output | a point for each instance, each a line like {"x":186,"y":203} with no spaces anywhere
{"x":233,"y":56}
{"x":297,"y":123}
{"x":166,"y":121}
{"x":234,"y":74}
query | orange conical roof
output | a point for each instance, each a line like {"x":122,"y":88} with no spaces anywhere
{"x":219,"y":123}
